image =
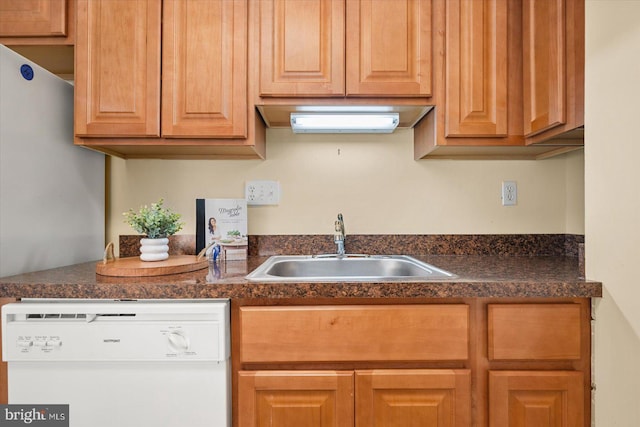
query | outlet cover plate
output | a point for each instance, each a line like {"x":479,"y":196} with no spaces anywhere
{"x":509,"y":193}
{"x":262,"y":192}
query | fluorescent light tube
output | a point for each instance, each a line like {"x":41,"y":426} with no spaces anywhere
{"x":344,"y":123}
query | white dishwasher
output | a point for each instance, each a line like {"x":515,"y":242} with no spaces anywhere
{"x":139,"y":363}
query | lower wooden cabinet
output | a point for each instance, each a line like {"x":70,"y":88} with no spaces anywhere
{"x":481,"y":362}
{"x":536,"y":399}
{"x":413,"y":397}
{"x":394,"y":397}
{"x":295,"y":399}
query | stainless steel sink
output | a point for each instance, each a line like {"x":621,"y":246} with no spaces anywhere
{"x":348,"y":268}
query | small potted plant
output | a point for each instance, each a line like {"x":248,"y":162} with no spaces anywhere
{"x":157,"y":224}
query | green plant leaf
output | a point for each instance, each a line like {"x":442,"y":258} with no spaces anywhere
{"x":155,"y":221}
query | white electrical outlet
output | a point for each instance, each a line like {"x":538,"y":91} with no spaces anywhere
{"x":509,"y":193}
{"x":262,"y":192}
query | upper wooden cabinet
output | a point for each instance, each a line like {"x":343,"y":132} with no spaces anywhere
{"x":170,"y":73}
{"x":204,"y":68}
{"x":301,"y":47}
{"x":477,"y":68}
{"x":389,"y":47}
{"x":553,"y":67}
{"x":334,"y":48}
{"x":512,"y":75}
{"x":117,"y":86}
{"x":30,"y":22}
{"x":543,"y":52}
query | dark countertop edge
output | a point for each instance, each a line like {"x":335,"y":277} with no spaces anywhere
{"x":308,"y":290}
{"x":516,"y":277}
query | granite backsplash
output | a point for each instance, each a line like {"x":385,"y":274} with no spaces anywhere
{"x":412,"y":244}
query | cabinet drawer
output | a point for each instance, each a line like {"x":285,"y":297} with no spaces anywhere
{"x":354,"y":333}
{"x":534,"y":331}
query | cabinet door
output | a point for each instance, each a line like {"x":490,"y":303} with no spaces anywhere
{"x":544,"y":29}
{"x":389,"y":47}
{"x":301,"y":47}
{"x":204,"y":68}
{"x":117,"y":87}
{"x":33,"y":18}
{"x":295,"y":399}
{"x":536,"y":399}
{"x":476,"y":68}
{"x":406,"y":398}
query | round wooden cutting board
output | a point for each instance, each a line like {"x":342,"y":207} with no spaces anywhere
{"x":134,"y":267}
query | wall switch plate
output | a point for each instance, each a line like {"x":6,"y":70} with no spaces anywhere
{"x":262,"y":192}
{"x":509,"y":193}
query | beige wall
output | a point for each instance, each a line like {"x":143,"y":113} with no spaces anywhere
{"x":372,"y":180}
{"x":612,"y":203}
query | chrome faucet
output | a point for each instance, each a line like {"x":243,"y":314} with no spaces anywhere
{"x":338,"y":237}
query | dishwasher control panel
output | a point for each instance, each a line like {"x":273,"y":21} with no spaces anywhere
{"x":115,"y":332}
{"x":39,"y":342}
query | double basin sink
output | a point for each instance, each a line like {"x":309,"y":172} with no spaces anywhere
{"x":346,"y":268}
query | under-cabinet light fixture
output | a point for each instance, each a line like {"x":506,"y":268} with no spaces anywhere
{"x":344,"y":122}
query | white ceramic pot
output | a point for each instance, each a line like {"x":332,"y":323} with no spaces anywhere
{"x":154,"y":249}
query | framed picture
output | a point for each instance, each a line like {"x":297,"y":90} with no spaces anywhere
{"x":223,"y":221}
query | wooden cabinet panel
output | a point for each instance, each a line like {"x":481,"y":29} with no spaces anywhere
{"x":476,"y":68}
{"x":301,"y":47}
{"x":389,"y":47}
{"x":534,"y":331}
{"x":295,"y":399}
{"x":354,"y":333}
{"x":204,"y":67}
{"x":439,"y":397}
{"x":536,"y":399}
{"x":118,"y":68}
{"x":33,"y":18}
{"x":544,"y":29}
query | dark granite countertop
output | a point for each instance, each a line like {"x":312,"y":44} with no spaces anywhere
{"x":477,"y":276}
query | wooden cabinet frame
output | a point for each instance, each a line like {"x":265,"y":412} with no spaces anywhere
{"x":572,"y":363}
